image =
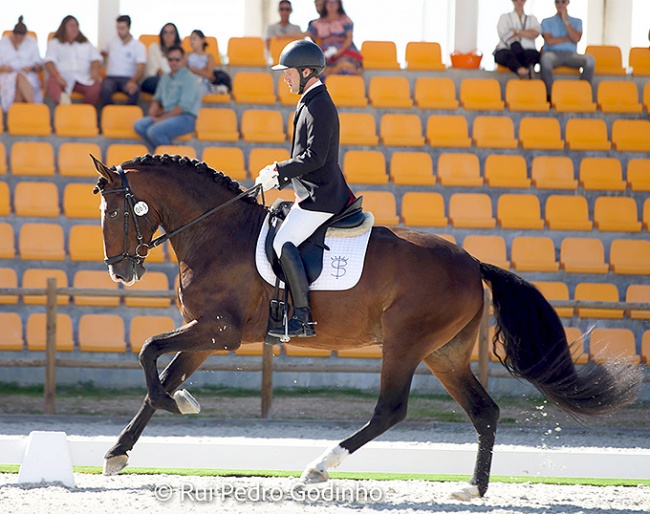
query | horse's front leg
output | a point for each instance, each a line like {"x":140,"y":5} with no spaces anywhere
{"x":196,"y":336}
{"x":179,"y":369}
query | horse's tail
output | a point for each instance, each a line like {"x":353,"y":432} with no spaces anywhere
{"x":537,"y":350}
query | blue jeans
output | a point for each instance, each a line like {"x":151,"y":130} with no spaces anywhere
{"x":162,"y":132}
{"x":552,"y":60}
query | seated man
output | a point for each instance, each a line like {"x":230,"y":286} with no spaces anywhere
{"x":175,"y":104}
{"x":126,"y":59}
{"x":561,"y":34}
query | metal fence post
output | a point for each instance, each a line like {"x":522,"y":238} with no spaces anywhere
{"x":267,"y":380}
{"x":483,"y":340}
{"x":50,"y":347}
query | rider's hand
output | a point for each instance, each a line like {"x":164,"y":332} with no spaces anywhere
{"x":268,"y":177}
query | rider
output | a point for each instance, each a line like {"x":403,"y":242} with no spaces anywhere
{"x":313,"y":171}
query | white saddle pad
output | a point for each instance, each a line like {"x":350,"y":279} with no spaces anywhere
{"x":342,"y":263}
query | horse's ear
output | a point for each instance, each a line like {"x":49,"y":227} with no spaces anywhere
{"x":102,"y":169}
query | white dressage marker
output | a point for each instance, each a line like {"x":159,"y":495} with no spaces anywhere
{"x":46,"y":459}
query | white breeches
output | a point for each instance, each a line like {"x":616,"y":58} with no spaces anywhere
{"x":298,"y":226}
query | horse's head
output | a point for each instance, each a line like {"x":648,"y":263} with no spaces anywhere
{"x":126,"y":227}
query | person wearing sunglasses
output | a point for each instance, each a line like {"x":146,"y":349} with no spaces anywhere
{"x":175,"y":104}
{"x":284,"y":27}
{"x":561,"y":34}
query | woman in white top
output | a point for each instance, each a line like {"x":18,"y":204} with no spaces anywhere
{"x":200,"y":62}
{"x":73,"y":64}
{"x":516,"y":49}
{"x":157,"y":57}
{"x":20,"y":63}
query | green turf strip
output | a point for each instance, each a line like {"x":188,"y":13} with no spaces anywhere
{"x":96,"y":470}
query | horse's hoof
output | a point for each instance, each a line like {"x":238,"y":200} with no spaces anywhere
{"x":314,"y":476}
{"x":113,"y":465}
{"x":186,"y":403}
{"x":466,"y":494}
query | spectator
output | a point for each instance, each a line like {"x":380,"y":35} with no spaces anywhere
{"x":318,"y":5}
{"x":157,"y":57}
{"x":20,"y":63}
{"x":126,"y":59}
{"x":516,"y":49}
{"x":175,"y":104}
{"x":333,"y":33}
{"x":283,"y":27}
{"x":73,"y":64}
{"x":561,"y":34}
{"x":202,"y":64}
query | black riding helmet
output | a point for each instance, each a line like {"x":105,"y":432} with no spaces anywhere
{"x":302,"y":54}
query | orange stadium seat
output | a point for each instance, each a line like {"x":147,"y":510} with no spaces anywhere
{"x":211,"y":48}
{"x":459,"y":169}
{"x":494,"y":132}
{"x":292,"y":350}
{"x":216,"y":125}
{"x":35,"y":158}
{"x":37,"y":199}
{"x":435,"y":93}
{"x":646,"y":214}
{"x":41,"y":241}
{"x":3,"y":157}
{"x":36,"y":278}
{"x":95,"y":279}
{"x":630,"y":257}
{"x":8,"y":279}
{"x":86,"y":243}
{"x":76,"y":120}
{"x":533,"y":254}
{"x":36,"y":332}
{"x":424,"y":56}
{"x":260,"y":157}
{"x":638,"y":174}
{"x":540,"y":134}
{"x":270,"y":196}
{"x":151,"y":281}
{"x":7,"y":241}
{"x":365,"y":167}
{"x":616,"y":214}
{"x":80,"y":202}
{"x":576,"y":342}
{"x":363,"y":352}
{"x":645,"y":347}
{"x":118,"y":153}
{"x":262,"y":126}
{"x":5,"y":203}
{"x":147,"y":39}
{"x":631,"y":135}
{"x":481,"y":94}
{"x":507,"y":171}
{"x":601,"y":174}
{"x":423,"y":209}
{"x":182,"y":150}
{"x":567,"y":212}
{"x":572,"y":96}
{"x":253,"y":87}
{"x":227,"y":159}
{"x":246,"y":51}
{"x":412,"y":169}
{"x":614,"y":344}
{"x":11,"y":335}
{"x":471,"y":210}
{"x":597,"y":292}
{"x":25,"y":119}
{"x":555,"y":291}
{"x":526,"y":95}
{"x":255,"y":349}
{"x":383,"y":205}
{"x":587,"y":134}
{"x":553,"y":172}
{"x":346,"y":90}
{"x":379,"y":55}
{"x":277,"y":44}
{"x":401,"y":130}
{"x":490,"y":249}
{"x":583,"y":255}
{"x":74,"y":160}
{"x":519,"y":211}
{"x":358,"y":128}
{"x":609,"y":60}
{"x":618,"y":96}
{"x":638,"y":293}
{"x":646,"y":96}
{"x":448,"y":131}
{"x":143,"y":327}
{"x":117,"y":121}
{"x":639,"y":61}
{"x":101,"y":333}
{"x":390,"y":92}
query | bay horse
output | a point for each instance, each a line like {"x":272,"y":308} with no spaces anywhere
{"x":419,"y":296}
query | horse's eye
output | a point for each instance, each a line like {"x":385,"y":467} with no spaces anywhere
{"x":112,"y":214}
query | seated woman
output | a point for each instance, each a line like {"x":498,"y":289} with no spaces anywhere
{"x":157,"y":57}
{"x":333,"y":33}
{"x":20,"y":63}
{"x":516,"y":49}
{"x":202,"y":64}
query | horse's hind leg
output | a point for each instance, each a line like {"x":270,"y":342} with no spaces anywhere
{"x":182,"y":366}
{"x":396,"y":375}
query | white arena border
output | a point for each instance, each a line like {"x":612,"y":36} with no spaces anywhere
{"x":240,"y":453}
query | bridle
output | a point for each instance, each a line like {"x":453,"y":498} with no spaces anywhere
{"x":131,"y":210}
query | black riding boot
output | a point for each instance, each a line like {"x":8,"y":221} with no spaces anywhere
{"x":301,"y":324}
